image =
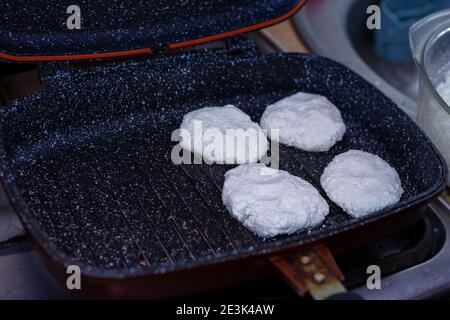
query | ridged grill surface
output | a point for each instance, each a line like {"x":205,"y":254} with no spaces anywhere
{"x":90,"y":154}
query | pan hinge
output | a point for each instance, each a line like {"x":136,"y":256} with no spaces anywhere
{"x":161,"y":49}
{"x":240,"y":45}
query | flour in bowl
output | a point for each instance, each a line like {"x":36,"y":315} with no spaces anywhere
{"x":444,"y":89}
{"x":435,"y":121}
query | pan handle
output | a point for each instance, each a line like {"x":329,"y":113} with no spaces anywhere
{"x":314,"y":271}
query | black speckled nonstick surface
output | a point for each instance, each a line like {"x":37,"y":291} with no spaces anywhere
{"x":30,"y":27}
{"x":87,"y":159}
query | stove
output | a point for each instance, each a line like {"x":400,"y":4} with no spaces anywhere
{"x":414,"y":263}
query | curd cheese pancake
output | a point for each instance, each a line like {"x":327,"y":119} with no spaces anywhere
{"x":223,"y":135}
{"x":361,"y":183}
{"x":272,"y":202}
{"x":305,"y":121}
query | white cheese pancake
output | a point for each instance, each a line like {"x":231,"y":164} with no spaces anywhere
{"x":305,"y":121}
{"x":361,"y":183}
{"x":272,"y":202}
{"x":223,"y":135}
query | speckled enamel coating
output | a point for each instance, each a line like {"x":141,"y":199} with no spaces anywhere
{"x":87,"y":159}
{"x":31,"y":27}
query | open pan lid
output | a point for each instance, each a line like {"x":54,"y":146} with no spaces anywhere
{"x":38,"y":30}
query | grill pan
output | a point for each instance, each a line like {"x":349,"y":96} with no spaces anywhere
{"x":86,"y":162}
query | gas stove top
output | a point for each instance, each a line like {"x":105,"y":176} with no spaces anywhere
{"x":414,"y":262}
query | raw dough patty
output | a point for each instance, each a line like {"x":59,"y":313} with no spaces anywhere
{"x":361,"y":183}
{"x":306,"y":121}
{"x":207,"y":123}
{"x":270,"y":202}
